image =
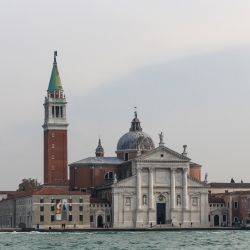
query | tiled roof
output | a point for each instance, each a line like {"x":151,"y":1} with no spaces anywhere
{"x":44,"y":191}
{"x":229,"y":185}
{"x":192,"y":164}
{"x":98,"y":160}
{"x":215,"y":200}
{"x":57,"y":183}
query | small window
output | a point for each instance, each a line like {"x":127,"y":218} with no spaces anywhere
{"x":41,"y":218}
{"x":209,"y":217}
{"x":41,"y":201}
{"x":162,"y":155}
{"x":42,"y":208}
{"x":80,"y":217}
{"x":52,"y":208}
{"x":61,"y":111}
{"x":53,"y":167}
{"x":53,"y":113}
{"x":57,"y":111}
{"x":235,"y":219}
{"x":91,"y":218}
{"x":70,"y":217}
{"x":210,"y":205}
{"x":224,"y":217}
{"x":70,"y":208}
{"x":221,"y":205}
{"x":80,"y":208}
{"x":126,"y":156}
{"x":53,"y":135}
{"x":53,"y":145}
{"x":84,"y":190}
{"x":235,"y":204}
{"x":52,"y":217}
{"x":53,"y":157}
{"x":108,"y":218}
{"x":52,"y":200}
{"x":80,"y":200}
{"x":70,"y":200}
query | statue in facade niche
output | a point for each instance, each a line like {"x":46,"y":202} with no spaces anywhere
{"x":178,"y":201}
{"x":144,"y":200}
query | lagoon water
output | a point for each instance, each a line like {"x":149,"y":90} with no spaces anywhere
{"x":127,"y":240}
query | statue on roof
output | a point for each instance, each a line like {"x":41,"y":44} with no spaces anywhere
{"x":161,"y":136}
{"x":135,"y":112}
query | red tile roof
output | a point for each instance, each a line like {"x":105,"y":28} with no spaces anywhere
{"x":57,"y":183}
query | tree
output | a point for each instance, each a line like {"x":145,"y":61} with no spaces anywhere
{"x":28,"y":184}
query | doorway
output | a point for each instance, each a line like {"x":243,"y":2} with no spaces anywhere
{"x":216,"y":220}
{"x":99,"y":221}
{"x":161,"y":213}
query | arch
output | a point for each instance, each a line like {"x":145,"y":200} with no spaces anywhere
{"x":109,"y":176}
{"x":99,"y":221}
{"x":216,"y":220}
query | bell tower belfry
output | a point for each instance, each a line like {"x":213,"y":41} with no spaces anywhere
{"x":55,"y":129}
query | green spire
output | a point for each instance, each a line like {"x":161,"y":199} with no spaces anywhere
{"x":55,"y":81}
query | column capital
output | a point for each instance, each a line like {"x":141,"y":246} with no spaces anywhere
{"x":173,"y":170}
{"x":185,"y":169}
{"x":151,"y":169}
{"x":139,"y":170}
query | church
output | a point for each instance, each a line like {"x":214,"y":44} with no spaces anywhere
{"x":144,"y":185}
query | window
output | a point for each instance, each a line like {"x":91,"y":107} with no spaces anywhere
{"x":53,"y":135}
{"x":41,"y":218}
{"x":53,"y":112}
{"x":70,"y":217}
{"x":80,"y":208}
{"x":80,"y":200}
{"x":52,"y":208}
{"x":91,"y":218}
{"x":41,"y":200}
{"x":70,"y":200}
{"x":61,"y":111}
{"x":52,"y":200}
{"x":53,"y":167}
{"x":57,"y":111}
{"x":80,"y":217}
{"x":162,"y":155}
{"x":236,"y":204}
{"x":109,"y":175}
{"x":53,"y":157}
{"x":126,"y":156}
{"x":84,"y":190}
{"x":224,"y":217}
{"x":53,"y":145}
{"x":42,"y":208}
{"x":235,"y":219}
{"x":70,"y":208}
{"x":52,"y":217}
{"x":209,"y":217}
{"x":108,"y":218}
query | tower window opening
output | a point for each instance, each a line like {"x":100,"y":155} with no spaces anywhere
{"x":61,"y":111}
{"x":53,"y":111}
{"x":57,"y":111}
{"x":61,"y":94}
{"x":57,"y":95}
{"x":51,"y":94}
{"x":126,"y":156}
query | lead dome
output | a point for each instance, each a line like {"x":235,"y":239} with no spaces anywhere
{"x":135,"y":139}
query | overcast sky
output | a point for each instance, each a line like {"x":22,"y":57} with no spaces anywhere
{"x":184,"y":64}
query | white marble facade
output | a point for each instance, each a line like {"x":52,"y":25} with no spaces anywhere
{"x":161,"y":191}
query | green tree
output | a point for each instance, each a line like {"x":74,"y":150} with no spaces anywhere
{"x":28,"y":184}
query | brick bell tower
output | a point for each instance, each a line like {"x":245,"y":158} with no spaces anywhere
{"x":55,"y":129}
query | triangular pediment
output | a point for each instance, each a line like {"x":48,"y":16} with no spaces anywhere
{"x":193,"y":182}
{"x":162,"y":154}
{"x":128,"y":182}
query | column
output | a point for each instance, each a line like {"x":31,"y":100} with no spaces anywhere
{"x":64,"y":111}
{"x":173,"y":188}
{"x":50,"y":111}
{"x":151,"y":189}
{"x":184,"y":191}
{"x":138,"y":193}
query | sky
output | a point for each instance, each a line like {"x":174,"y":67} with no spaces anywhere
{"x":183,"y":64}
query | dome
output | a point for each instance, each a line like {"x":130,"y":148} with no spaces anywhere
{"x":135,"y":140}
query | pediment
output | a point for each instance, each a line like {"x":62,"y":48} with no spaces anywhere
{"x":193,"y":182}
{"x":162,"y":154}
{"x":128,"y":182}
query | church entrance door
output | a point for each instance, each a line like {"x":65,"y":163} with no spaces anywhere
{"x":161,"y":213}
{"x":99,"y":221}
{"x":216,"y":220}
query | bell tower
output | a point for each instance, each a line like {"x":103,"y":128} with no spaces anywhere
{"x":55,"y":129}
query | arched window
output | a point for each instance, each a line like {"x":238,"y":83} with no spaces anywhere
{"x":109,"y":175}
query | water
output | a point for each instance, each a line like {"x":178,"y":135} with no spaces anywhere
{"x":127,"y":240}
